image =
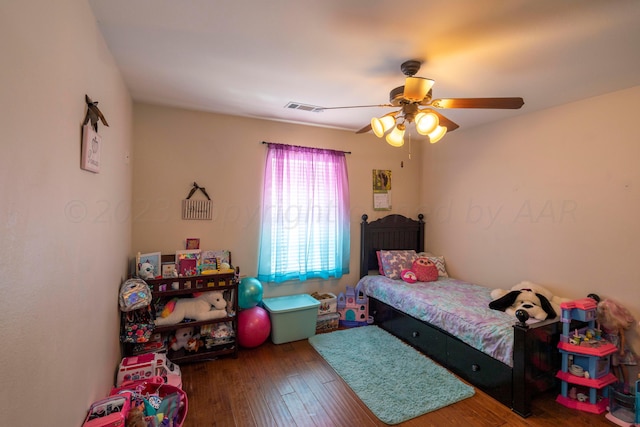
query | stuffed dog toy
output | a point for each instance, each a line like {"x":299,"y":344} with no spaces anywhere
{"x":536,"y":300}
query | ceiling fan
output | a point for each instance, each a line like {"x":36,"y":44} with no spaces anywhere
{"x":416,"y":104}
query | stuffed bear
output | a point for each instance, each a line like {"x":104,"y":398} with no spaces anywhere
{"x":535,"y":299}
{"x":206,"y":306}
{"x":422,"y":270}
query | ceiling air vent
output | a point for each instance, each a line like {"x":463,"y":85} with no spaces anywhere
{"x":304,"y":107}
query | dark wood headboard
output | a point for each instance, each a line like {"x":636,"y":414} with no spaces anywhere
{"x":392,"y":232}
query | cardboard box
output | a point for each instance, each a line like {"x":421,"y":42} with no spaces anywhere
{"x":293,"y":317}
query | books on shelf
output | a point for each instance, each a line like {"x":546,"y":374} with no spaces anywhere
{"x":187,"y":262}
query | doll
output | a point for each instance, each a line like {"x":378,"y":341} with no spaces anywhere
{"x":615,"y":320}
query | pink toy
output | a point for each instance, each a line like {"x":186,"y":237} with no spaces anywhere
{"x":254,"y":326}
{"x":109,"y":412}
{"x":353,"y":307}
{"x":422,"y":270}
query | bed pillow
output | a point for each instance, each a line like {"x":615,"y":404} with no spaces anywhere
{"x":393,"y":262}
{"x":380,"y":269}
{"x":438,"y":261}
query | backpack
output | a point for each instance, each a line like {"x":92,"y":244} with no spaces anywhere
{"x":138,"y":314}
{"x":134,"y":294}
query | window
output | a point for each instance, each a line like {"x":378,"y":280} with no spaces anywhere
{"x":305,"y":231}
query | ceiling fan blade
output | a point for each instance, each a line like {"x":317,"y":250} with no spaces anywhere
{"x":450,"y":125}
{"x":365,"y":129}
{"x":353,"y":106}
{"x":504,"y":103}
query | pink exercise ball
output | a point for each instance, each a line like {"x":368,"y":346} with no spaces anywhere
{"x":254,"y":327}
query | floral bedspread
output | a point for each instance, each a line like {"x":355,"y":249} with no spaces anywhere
{"x":460,"y":308}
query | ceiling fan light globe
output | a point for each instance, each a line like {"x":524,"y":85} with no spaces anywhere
{"x":437,"y":134}
{"x":426,"y":123}
{"x":381,"y":125}
{"x":396,"y":137}
{"x":416,"y":88}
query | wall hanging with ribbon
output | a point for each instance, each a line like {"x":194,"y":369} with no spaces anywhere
{"x":197,"y":209}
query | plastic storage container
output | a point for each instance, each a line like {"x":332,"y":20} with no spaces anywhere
{"x":328,"y":303}
{"x":327,"y":322}
{"x":293,"y":317}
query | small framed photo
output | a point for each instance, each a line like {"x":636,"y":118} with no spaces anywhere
{"x":193,"y":243}
{"x":169,"y":270}
{"x":153,"y":258}
{"x":91,"y":145}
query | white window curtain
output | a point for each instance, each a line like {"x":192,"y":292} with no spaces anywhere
{"x":305,"y":231}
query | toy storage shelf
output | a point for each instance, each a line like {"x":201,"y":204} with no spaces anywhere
{"x":167,"y":288}
{"x":588,"y":356}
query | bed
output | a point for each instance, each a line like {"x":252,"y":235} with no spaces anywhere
{"x":511,"y":360}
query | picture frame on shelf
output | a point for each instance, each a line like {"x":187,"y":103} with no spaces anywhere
{"x":153,"y":258}
{"x":187,"y":262}
{"x":169,"y":270}
{"x":192,"y":243}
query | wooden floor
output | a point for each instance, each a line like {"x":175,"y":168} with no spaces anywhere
{"x":291,"y":385}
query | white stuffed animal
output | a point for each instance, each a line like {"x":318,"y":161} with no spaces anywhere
{"x":181,"y":338}
{"x":146,"y":271}
{"x":208,"y":305}
{"x":535,"y":299}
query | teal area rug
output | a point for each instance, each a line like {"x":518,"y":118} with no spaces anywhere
{"x":394,"y":380}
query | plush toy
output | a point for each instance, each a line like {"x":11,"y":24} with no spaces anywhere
{"x":181,"y":338}
{"x":422,"y":270}
{"x":194,"y":344}
{"x":146,"y":271}
{"x":206,"y":306}
{"x":535,"y":299}
{"x":615,"y":320}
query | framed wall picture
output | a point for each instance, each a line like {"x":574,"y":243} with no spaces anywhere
{"x":381,"y":190}
{"x":91,"y":147}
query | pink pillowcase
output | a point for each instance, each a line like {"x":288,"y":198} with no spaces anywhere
{"x":380,"y":269}
{"x":393,"y":262}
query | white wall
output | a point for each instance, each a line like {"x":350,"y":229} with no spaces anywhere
{"x":64,"y":233}
{"x":552,"y":197}
{"x":225,"y":154}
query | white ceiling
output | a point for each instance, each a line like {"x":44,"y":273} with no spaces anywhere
{"x":250,"y":58}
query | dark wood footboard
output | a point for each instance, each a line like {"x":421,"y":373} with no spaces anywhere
{"x":535,"y":360}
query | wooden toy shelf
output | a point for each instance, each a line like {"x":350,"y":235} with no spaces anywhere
{"x":168,"y":288}
{"x":164,"y":289}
